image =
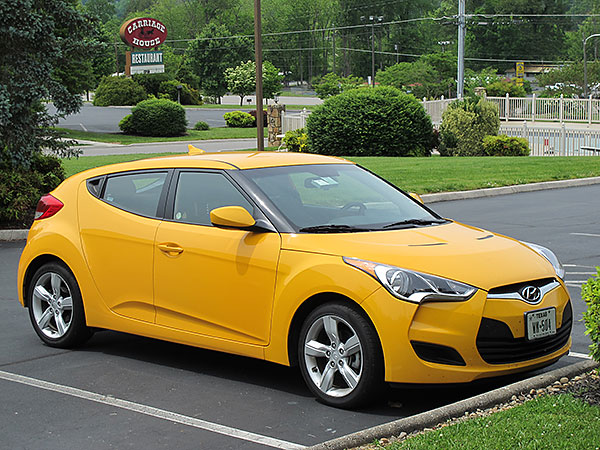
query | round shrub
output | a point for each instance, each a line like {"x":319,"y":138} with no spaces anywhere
{"x":20,"y":190}
{"x":201,"y":126}
{"x":296,"y":140}
{"x":505,"y":146}
{"x":464,"y":125}
{"x":380,"y":121}
{"x":118,"y":91}
{"x":155,"y":117}
{"x":239,"y":119}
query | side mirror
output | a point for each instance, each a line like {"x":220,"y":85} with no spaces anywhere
{"x":231,"y":217}
{"x":416,"y":196}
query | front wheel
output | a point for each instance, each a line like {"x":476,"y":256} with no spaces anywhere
{"x":340,"y":356}
{"x":55,"y":307}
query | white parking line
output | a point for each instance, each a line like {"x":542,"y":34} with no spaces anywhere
{"x":585,"y":234}
{"x":151,"y":411}
{"x":580,"y":355}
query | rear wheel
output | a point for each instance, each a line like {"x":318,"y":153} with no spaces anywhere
{"x":340,"y":356}
{"x":55,"y":307}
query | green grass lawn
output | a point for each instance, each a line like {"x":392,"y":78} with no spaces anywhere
{"x":192,"y":135}
{"x":435,"y":174}
{"x":548,"y":422}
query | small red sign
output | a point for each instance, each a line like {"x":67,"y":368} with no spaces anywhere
{"x":143,"y":32}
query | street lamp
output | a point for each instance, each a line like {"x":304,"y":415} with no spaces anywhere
{"x":372,"y":19}
{"x":585,"y":84}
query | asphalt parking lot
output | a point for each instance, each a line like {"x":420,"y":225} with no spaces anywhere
{"x":123,"y":391}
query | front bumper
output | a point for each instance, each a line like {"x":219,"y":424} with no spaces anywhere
{"x":449,"y":342}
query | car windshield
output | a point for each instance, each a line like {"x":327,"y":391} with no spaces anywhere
{"x":333,"y":198}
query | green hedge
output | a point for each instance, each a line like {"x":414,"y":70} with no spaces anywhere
{"x":239,"y":119}
{"x":150,"y":81}
{"x":155,"y":117}
{"x":380,"y":121}
{"x":188,"y":95}
{"x":464,"y":125}
{"x":118,"y":91}
{"x":21,"y":190}
{"x":590,"y":292}
{"x":505,"y":146}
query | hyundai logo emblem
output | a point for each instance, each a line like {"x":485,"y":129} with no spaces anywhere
{"x":531,"y":294}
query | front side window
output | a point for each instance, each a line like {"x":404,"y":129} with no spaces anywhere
{"x":340,"y":197}
{"x":198,"y":193}
{"x":138,"y":193}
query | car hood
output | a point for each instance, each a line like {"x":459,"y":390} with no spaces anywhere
{"x":456,"y":251}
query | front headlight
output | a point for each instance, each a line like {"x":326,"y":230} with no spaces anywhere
{"x":550,"y":256}
{"x":413,"y":286}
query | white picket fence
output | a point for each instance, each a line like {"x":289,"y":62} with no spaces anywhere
{"x":543,"y":141}
{"x":558,"y":141}
{"x":530,"y":108}
{"x":293,"y":121}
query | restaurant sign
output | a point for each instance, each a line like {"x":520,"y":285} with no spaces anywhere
{"x":143,"y":33}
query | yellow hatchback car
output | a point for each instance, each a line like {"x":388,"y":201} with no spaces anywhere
{"x":293,"y":258}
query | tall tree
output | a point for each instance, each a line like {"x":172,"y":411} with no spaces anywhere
{"x":213,"y":51}
{"x":41,"y":43}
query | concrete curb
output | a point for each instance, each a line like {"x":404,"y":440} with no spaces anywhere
{"x":17,"y":235}
{"x":13,"y":235}
{"x":505,"y":190}
{"x":431,"y":418}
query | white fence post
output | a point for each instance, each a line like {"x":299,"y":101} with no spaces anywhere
{"x":561,"y":113}
{"x":563,"y":140}
{"x":506,"y":108}
{"x":533,"y":108}
{"x":590,"y":110}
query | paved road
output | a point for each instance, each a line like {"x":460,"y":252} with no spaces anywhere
{"x":106,"y":119}
{"x":160,"y":380}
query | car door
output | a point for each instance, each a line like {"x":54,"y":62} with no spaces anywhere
{"x":118,"y":218}
{"x":207,"y":280}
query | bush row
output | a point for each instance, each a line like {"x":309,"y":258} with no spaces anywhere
{"x":121,"y":91}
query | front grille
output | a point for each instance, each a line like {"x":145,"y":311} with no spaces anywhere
{"x":496,"y":344}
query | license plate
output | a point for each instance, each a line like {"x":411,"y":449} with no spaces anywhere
{"x":541,"y":323}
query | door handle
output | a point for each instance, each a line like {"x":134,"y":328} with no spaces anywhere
{"x":170,"y":248}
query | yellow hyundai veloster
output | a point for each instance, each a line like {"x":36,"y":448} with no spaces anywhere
{"x":297,"y":259}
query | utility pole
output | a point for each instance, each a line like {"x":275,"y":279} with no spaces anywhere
{"x":260,"y":130}
{"x":585,"y":83}
{"x":460,"y":82}
{"x":333,"y":39}
{"x":372,"y":19}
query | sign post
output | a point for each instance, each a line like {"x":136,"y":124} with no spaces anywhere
{"x":520,"y":73}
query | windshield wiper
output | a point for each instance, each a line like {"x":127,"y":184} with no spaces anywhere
{"x":415,"y":222}
{"x":332,"y":228}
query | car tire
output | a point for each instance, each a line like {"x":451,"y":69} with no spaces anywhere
{"x":340,"y":356}
{"x":56,"y":307}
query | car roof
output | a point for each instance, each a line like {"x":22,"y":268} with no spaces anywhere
{"x":224,"y":160}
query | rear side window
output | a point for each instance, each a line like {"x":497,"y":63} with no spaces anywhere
{"x":198,"y":193}
{"x":138,"y":193}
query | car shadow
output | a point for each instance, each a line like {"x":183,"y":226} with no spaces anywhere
{"x":397,"y":401}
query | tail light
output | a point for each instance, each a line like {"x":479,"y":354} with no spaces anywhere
{"x":47,"y":207}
